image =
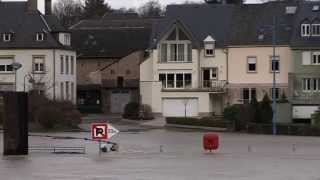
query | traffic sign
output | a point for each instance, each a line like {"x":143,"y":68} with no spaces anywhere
{"x":103,"y":131}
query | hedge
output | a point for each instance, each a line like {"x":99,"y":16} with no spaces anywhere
{"x":206,"y":122}
{"x":285,"y":129}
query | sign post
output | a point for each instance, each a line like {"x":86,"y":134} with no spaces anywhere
{"x":102,"y":132}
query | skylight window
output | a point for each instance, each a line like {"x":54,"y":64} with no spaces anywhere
{"x":40,"y":36}
{"x":7,"y":37}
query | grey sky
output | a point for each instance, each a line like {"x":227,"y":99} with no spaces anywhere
{"x":132,"y":3}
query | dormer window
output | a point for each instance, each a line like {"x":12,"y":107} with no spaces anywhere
{"x":209,"y":46}
{"x":7,"y":37}
{"x":316,"y":29}
{"x":305,"y":30}
{"x":40,"y":36}
{"x":67,"y":39}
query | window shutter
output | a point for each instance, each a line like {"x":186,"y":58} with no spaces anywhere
{"x":306,"y":58}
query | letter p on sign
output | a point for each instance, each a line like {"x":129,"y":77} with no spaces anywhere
{"x":99,"y":131}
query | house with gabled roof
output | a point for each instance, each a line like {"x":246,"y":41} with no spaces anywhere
{"x":41,"y":46}
{"x":110,"y":50}
{"x":186,"y":71}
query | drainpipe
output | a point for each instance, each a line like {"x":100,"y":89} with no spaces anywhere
{"x":199,"y":69}
{"x":54,"y":74}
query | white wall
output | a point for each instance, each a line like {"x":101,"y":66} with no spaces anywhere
{"x":52,"y":70}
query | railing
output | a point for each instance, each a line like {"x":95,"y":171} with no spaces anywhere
{"x":53,"y":149}
{"x":214,"y":85}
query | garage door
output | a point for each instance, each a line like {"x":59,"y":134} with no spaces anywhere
{"x":119,"y":99}
{"x":303,"y":112}
{"x":179,"y":107}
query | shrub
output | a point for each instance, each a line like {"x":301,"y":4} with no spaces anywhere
{"x":198,"y":122}
{"x":131,"y":111}
{"x":266,"y":110}
{"x":283,"y":98}
{"x":231,"y":113}
{"x":146,"y":112}
{"x":255,"y":110}
{"x":48,"y":116}
{"x":316,"y":118}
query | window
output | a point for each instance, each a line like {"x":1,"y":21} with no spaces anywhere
{"x":38,"y":64}
{"x":306,"y":84}
{"x":62,"y":90}
{"x":316,"y":58}
{"x":252,"y":64}
{"x":277,"y":93}
{"x":61,"y":64}
{"x":178,"y":80}
{"x":5,"y":64}
{"x":7,"y":37}
{"x":311,"y":84}
{"x":214,"y":73}
{"x":72,"y":64}
{"x":120,"y":81}
{"x":209,"y":49}
{"x":67,"y":91}
{"x":248,"y":94}
{"x":176,"y":48}
{"x":67,"y":64}
{"x":305,"y":29}
{"x":72,"y":92}
{"x":275,"y":64}
{"x":67,"y":39}
{"x":315,"y":29}
{"x":40,"y":36}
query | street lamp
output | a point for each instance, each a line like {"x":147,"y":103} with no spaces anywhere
{"x":15,"y":66}
{"x":273,"y":62}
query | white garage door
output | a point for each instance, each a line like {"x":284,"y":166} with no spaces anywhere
{"x":180,"y":107}
{"x":303,"y":112}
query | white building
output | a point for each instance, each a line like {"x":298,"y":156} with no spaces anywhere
{"x":41,"y":45}
{"x":186,"y":72}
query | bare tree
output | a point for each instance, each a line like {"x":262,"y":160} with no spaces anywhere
{"x":151,"y":9}
{"x":68,"y":11}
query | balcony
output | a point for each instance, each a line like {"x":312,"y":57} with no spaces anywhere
{"x":215,"y":86}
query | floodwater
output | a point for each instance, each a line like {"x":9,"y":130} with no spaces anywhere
{"x":241,"y":157}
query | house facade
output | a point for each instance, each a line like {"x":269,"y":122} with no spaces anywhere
{"x":110,"y":51}
{"x":197,"y":68}
{"x":41,"y":46}
{"x":186,"y":71}
{"x":305,"y":78}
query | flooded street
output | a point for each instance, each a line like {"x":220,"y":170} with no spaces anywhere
{"x":241,"y":156}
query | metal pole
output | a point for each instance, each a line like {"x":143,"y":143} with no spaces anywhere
{"x":24,"y":83}
{"x":15,"y":80}
{"x":274,"y":126}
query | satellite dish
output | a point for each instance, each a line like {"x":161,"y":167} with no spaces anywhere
{"x":16,"y":65}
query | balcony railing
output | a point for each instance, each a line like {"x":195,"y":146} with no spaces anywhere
{"x":211,"y":86}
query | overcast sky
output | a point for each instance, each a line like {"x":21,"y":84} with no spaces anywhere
{"x":132,"y":3}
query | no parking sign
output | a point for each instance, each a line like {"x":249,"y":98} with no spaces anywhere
{"x":103,"y":131}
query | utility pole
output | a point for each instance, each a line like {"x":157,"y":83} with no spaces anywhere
{"x":274,"y":104}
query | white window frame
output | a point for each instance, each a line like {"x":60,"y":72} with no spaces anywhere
{"x":72,"y":65}
{"x":38,"y":62}
{"x":184,"y":86}
{"x":176,"y":43}
{"x":40,"y":36}
{"x":315,"y":28}
{"x":305,"y":83}
{"x":277,"y":58}
{"x":317,"y":55}
{"x":305,"y":30}
{"x":248,"y":64}
{"x":8,"y":61}
{"x":208,"y":46}
{"x":7,"y":37}
{"x":250,"y":94}
{"x":67,"y":64}
{"x":314,"y":87}
{"x":67,"y":39}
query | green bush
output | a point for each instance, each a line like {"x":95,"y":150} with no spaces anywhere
{"x":231,"y":113}
{"x":49,"y":116}
{"x":131,"y":111}
{"x":316,"y":118}
{"x":198,"y":122}
{"x":266,"y":110}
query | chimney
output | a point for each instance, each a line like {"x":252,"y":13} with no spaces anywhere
{"x":48,"y":7}
{"x":32,"y":5}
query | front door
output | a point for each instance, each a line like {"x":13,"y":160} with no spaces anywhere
{"x":206,"y":78}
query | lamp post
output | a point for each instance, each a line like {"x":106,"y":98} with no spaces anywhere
{"x":15,"y":66}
